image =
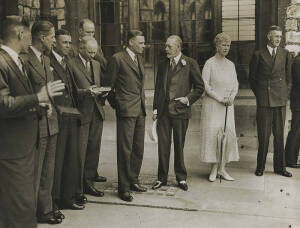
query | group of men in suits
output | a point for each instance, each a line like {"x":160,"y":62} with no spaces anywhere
{"x":51,"y":117}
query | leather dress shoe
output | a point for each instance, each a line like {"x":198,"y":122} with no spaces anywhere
{"x":58,"y":214}
{"x":295,"y":166}
{"x":99,"y":179}
{"x":183,"y":185}
{"x":285,"y":173}
{"x":49,"y":218}
{"x":74,"y":206}
{"x":90,"y":190}
{"x":259,"y":173}
{"x":126,"y":196}
{"x":138,"y":188}
{"x":158,"y":184}
{"x":81,"y":199}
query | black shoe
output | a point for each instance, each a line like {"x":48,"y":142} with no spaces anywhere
{"x":295,"y":166}
{"x":73,"y":206}
{"x":99,"y":179}
{"x":58,"y":214}
{"x":138,"y":188}
{"x":81,"y":199}
{"x":49,"y":218}
{"x":259,"y":173}
{"x":285,"y":173}
{"x":90,"y":190}
{"x":183,"y":186}
{"x":126,"y":196}
{"x":158,"y":184}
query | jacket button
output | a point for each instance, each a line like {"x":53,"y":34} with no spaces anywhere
{"x":280,"y":79}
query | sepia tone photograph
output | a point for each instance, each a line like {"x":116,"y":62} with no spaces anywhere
{"x":149,"y":113}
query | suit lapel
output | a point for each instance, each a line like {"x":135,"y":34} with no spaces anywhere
{"x":22,"y":78}
{"x":165,"y":70}
{"x":130,"y":62}
{"x":36,"y":64}
{"x":277,"y":59}
{"x":267,"y":57}
{"x":179,"y":65}
{"x":82,"y":68}
{"x":141,"y":67}
{"x":57,"y":67}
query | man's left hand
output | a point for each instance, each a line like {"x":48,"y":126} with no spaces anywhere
{"x":183,"y":100}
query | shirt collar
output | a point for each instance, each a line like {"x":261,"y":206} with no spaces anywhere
{"x":271,"y":49}
{"x":58,"y":57}
{"x":177,"y":58}
{"x":131,"y":53}
{"x":37,"y":53}
{"x":14,"y":55}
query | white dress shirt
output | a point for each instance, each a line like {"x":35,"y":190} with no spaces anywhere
{"x":37,"y":53}
{"x":14,"y":55}
{"x":271,"y":49}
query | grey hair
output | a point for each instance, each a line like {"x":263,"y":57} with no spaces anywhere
{"x":177,"y":39}
{"x":221,"y":38}
{"x":86,"y":39}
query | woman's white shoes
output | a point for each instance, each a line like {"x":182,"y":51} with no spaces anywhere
{"x":213,"y":174}
{"x":224,"y":175}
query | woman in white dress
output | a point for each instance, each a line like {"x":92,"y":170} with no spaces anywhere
{"x":221,"y":87}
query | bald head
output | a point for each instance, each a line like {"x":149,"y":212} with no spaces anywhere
{"x":88,"y":47}
{"x":86,"y":28}
{"x":173,"y":46}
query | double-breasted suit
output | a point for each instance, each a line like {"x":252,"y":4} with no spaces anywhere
{"x":270,"y":81}
{"x":293,"y":142}
{"x":91,"y":121}
{"x":66,"y":170}
{"x":18,"y":140}
{"x":183,"y":81}
{"x":128,"y":98}
{"x":39,"y":72}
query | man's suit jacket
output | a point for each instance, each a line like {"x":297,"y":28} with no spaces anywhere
{"x":189,"y":84}
{"x":65,"y":75}
{"x":270,"y":81}
{"x":40,"y":75}
{"x":127,"y":82}
{"x":83,"y":80}
{"x":98,"y":57}
{"x":18,"y":125}
{"x":295,"y":91}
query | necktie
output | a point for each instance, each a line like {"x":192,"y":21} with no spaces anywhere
{"x":173,"y":64}
{"x":63,"y":63}
{"x":136,"y":61}
{"x":88,"y":66}
{"x":21,"y":65}
{"x":273,"y":54}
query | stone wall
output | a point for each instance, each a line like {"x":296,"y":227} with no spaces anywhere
{"x":31,"y":10}
{"x":292,"y":27}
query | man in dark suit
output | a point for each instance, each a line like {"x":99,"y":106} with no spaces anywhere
{"x":66,"y":170}
{"x":178,"y":85}
{"x":40,"y":74}
{"x":87,"y":28}
{"x":270,"y":80}
{"x":19,"y":127}
{"x":293,"y":143}
{"x":125,"y":74}
{"x":87,"y":78}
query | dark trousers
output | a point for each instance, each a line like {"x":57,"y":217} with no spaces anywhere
{"x":44,"y":174}
{"x":66,"y":170}
{"x":293,"y":140}
{"x":270,"y":118}
{"x":89,"y":150}
{"x":17,"y":196}
{"x":130,"y":150}
{"x":165,"y":125}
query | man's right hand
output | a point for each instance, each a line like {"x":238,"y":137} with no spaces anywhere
{"x":54,"y":89}
{"x":154,"y":117}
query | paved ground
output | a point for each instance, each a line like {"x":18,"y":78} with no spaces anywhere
{"x":249,"y":202}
